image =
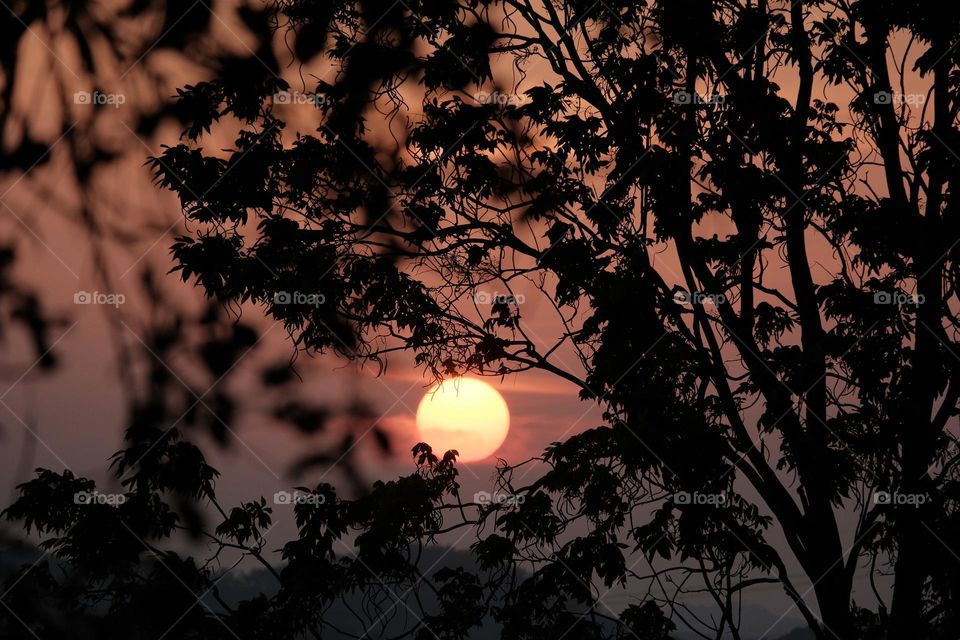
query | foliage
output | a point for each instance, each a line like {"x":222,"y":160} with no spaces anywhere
{"x":651,"y":157}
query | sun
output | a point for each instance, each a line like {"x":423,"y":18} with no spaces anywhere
{"x":465,"y":414}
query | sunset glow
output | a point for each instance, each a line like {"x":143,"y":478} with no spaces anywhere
{"x":465,"y":414}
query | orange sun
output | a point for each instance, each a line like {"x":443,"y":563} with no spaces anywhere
{"x":465,"y":414}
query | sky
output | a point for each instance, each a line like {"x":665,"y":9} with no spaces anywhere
{"x":77,"y":416}
{"x":74,"y":417}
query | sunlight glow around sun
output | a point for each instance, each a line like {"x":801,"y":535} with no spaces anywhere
{"x":465,"y":414}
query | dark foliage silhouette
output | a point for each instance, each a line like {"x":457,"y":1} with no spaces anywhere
{"x":86,"y":89}
{"x":757,"y":282}
{"x":108,"y":77}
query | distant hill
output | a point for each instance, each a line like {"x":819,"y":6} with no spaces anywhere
{"x":798,"y":634}
{"x":238,"y":586}
{"x":235,"y":587}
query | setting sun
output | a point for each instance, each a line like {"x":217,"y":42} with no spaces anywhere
{"x":465,"y":414}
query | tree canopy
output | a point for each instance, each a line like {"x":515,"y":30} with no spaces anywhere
{"x":742,"y":217}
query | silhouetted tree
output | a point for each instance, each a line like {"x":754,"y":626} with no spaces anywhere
{"x":639,"y":127}
{"x":84,"y":90}
{"x":757,"y":283}
{"x":70,"y":136}
{"x":100,"y":79}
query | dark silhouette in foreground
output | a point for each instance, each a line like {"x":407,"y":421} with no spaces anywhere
{"x":757,"y":284}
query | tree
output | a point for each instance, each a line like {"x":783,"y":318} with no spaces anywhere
{"x":85,"y":90}
{"x":108,"y":78}
{"x":615,"y":152}
{"x":697,"y":129}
